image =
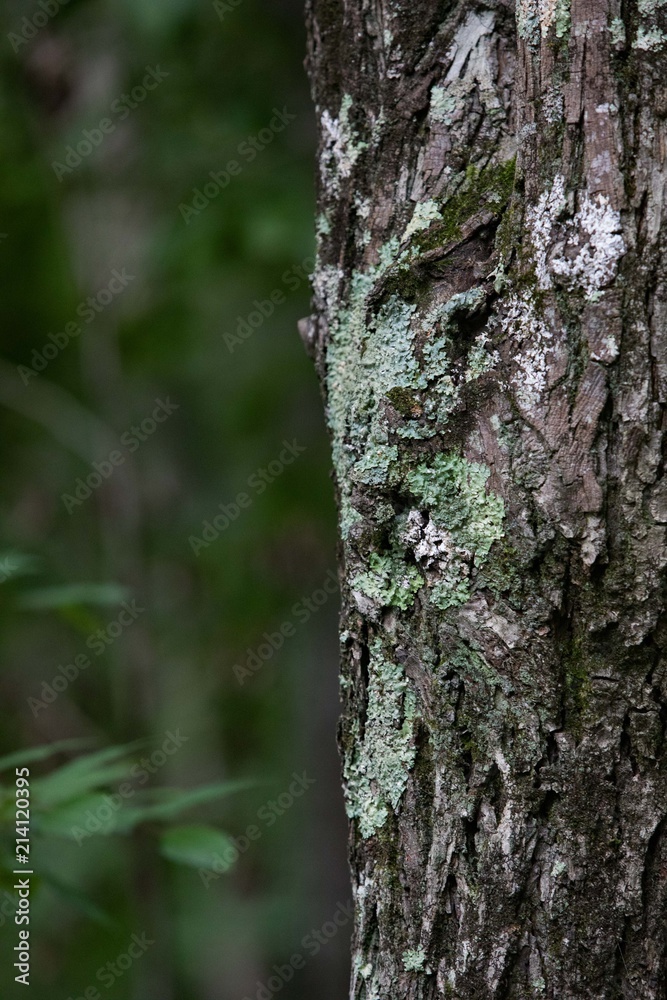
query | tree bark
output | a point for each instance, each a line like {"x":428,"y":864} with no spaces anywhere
{"x":489,"y":329}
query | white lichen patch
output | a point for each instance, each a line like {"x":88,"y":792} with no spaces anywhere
{"x":521,"y":321}
{"x":596,"y":237}
{"x":341,"y":145}
{"x":649,"y":39}
{"x":446,"y":565}
{"x":541,"y":221}
{"x":648,"y":7}
{"x":377,"y":773}
{"x":414,"y":959}
{"x":553,"y":105}
{"x":582,"y":252}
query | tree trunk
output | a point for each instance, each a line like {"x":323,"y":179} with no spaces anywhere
{"x":489,"y":329}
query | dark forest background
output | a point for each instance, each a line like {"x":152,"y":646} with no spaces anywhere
{"x":150,"y":375}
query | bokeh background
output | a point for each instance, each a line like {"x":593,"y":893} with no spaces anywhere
{"x":89,"y":209}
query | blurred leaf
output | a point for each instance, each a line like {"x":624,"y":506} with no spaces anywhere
{"x":197,"y":846}
{"x":78,"y":900}
{"x":34,"y":754}
{"x":83,"y":774}
{"x":156,"y":17}
{"x":15,"y":564}
{"x":66,"y":595}
{"x":160,"y":805}
{"x":174,"y":801}
{"x":81,"y":619}
{"x":71,"y":818}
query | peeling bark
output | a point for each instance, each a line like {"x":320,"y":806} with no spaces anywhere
{"x":490,"y":332}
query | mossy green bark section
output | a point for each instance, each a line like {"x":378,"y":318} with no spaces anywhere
{"x":490,"y":331}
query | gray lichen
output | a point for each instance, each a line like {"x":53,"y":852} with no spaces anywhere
{"x":342,"y":146}
{"x":377,"y":772}
{"x":536,"y":18}
{"x":414,"y":959}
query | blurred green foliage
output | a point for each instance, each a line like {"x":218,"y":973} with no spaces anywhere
{"x":70,"y":401}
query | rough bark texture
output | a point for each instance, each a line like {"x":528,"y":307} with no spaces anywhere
{"x":489,"y":329}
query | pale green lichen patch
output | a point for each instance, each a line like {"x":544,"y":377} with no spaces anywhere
{"x":649,"y":37}
{"x":375,"y":467}
{"x":536,"y":18}
{"x":376,"y":775}
{"x":424,"y":214}
{"x":556,"y":13}
{"x":440,"y":543}
{"x":389,"y":580}
{"x":373,"y":361}
{"x":365,"y":361}
{"x":322,"y":226}
{"x":396,"y":374}
{"x":414,"y":959}
{"x":443,"y":105}
{"x":454,"y":490}
{"x":465,"y":521}
{"x":480,"y":359}
{"x":528,"y":20}
{"x":617,"y":31}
